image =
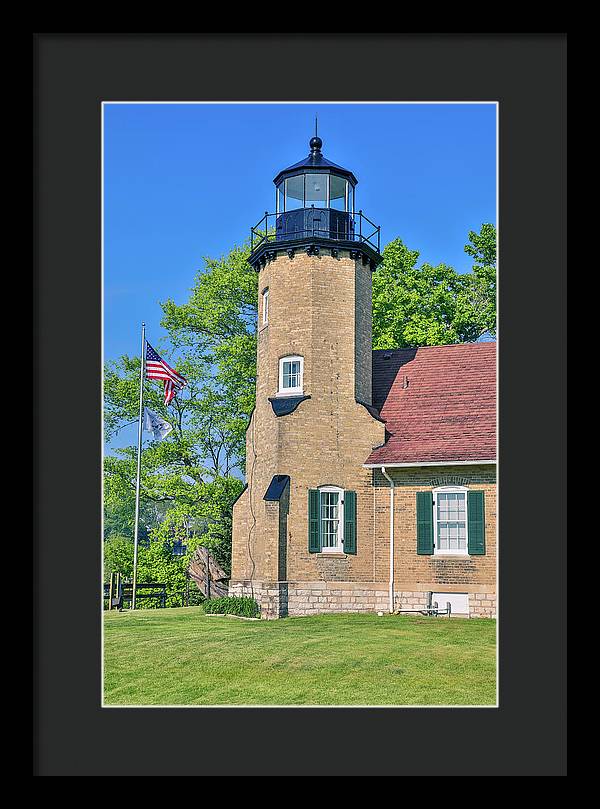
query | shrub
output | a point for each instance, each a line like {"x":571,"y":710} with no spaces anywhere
{"x":233,"y":605}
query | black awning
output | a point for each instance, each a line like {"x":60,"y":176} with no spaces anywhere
{"x":276,"y":487}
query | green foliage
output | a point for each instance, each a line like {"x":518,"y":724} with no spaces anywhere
{"x":426,"y":305}
{"x":233,"y":605}
{"x":218,"y":322}
{"x":482,"y":247}
{"x":119,"y":500}
{"x":187,"y":485}
{"x":118,"y":556}
{"x":214,"y":529}
{"x":157,"y":564}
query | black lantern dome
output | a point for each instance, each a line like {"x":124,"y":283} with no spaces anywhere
{"x":315,"y":161}
{"x":315,"y":206}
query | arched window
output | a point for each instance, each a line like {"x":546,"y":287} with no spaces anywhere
{"x":291,"y":372}
{"x":450,"y":524}
{"x":265,"y":306}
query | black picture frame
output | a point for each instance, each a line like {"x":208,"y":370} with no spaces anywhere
{"x":526,"y":74}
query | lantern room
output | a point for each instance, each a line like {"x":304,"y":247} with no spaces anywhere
{"x":314,"y":207}
{"x":314,"y":197}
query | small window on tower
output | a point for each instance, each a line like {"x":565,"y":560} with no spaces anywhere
{"x":291,"y":371}
{"x":265,"y":307}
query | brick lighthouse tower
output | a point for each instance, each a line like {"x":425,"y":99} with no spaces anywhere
{"x":303,"y":526}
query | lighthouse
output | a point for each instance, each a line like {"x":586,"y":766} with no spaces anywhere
{"x":296,"y":526}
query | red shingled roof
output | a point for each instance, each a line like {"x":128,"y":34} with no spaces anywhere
{"x":448,"y":410}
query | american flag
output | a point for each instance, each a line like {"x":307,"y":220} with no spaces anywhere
{"x":157,"y":368}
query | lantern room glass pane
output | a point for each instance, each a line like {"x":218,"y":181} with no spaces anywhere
{"x":316,"y":190}
{"x":337,"y":193}
{"x":280,"y":198}
{"x":294,"y":192}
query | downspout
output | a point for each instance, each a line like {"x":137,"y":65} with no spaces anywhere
{"x":391,"y":482}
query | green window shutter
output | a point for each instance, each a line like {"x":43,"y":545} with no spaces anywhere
{"x":349,"y":522}
{"x":314,"y":521}
{"x":424,"y":523}
{"x":476,"y":522}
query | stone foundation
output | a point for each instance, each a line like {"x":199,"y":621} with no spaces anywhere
{"x":270,"y":596}
{"x":312,"y":598}
{"x":482,"y":605}
{"x":279,"y":599}
{"x":411,"y":600}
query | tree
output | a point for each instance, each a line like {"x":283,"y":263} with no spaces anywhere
{"x":482,"y":247}
{"x":427,"y":305}
{"x":188,"y":477}
{"x":118,"y":556}
{"x":218,"y":323}
{"x":119,"y":502}
{"x":156,"y":563}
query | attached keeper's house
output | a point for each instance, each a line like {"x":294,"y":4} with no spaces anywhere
{"x":371,"y":475}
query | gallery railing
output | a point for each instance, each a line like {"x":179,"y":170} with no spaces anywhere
{"x":316,"y":223}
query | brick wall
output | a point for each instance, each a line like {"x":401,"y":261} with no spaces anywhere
{"x":315,"y":304}
{"x":415,"y":574}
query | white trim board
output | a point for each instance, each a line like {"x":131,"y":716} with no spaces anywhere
{"x":426,"y":463}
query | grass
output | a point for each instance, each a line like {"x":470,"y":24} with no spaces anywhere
{"x":183,"y":657}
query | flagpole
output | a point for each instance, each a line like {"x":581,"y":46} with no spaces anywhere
{"x":139,"y":468}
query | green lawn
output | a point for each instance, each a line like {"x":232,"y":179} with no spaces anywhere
{"x":182,"y":657}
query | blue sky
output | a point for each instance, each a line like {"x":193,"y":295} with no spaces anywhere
{"x":184,"y":181}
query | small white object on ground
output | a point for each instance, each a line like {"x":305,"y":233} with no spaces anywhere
{"x":380,"y":614}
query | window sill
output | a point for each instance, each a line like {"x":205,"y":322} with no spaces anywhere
{"x":262,"y":327}
{"x":288,"y":394}
{"x":451,"y":556}
{"x":332,"y":555}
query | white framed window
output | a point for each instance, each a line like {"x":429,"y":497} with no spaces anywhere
{"x":291,"y":372}
{"x":450,"y":525}
{"x":265,"y":306}
{"x":331,"y":504}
